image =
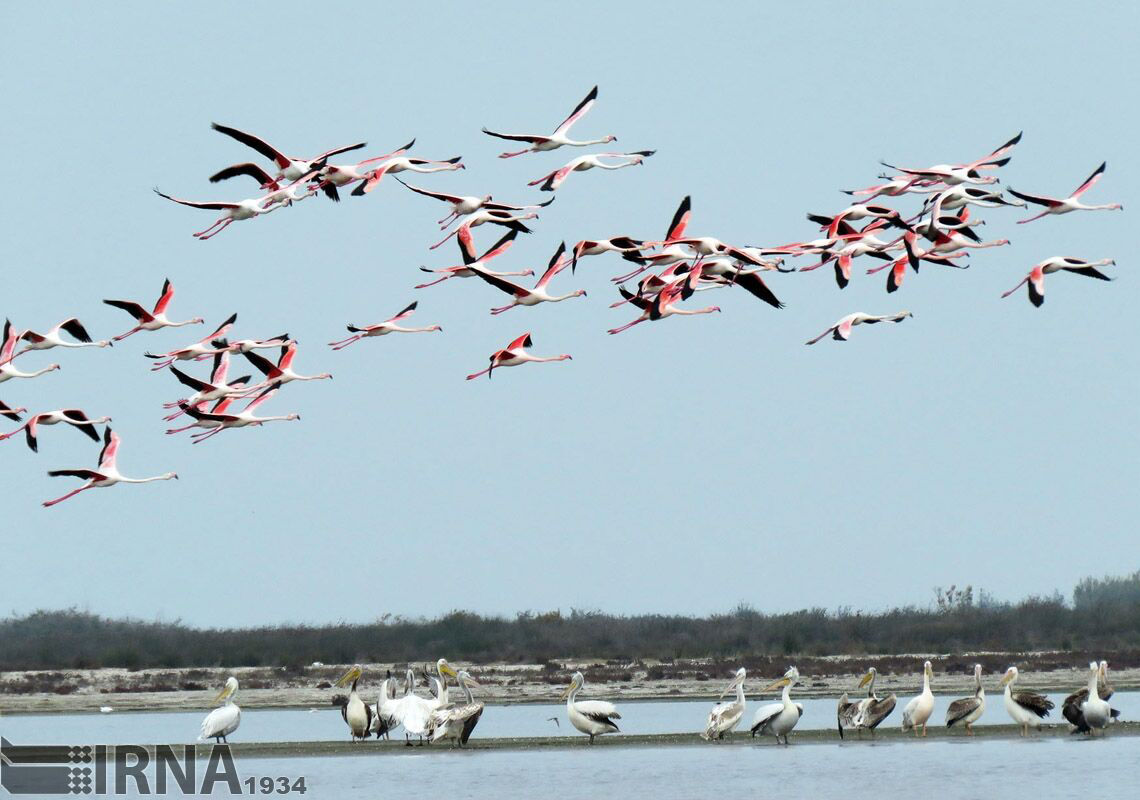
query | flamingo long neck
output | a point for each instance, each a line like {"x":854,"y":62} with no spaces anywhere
{"x":685,"y":311}
{"x":273,"y":419}
{"x":1099,"y":207}
{"x":548,"y":358}
{"x":181,"y":324}
{"x":144,"y":480}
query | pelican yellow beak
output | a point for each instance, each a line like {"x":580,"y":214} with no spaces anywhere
{"x":353,"y":674}
{"x":865,"y":680}
{"x":780,"y":684}
{"x":447,"y":669}
{"x":1006,"y":678}
{"x":929,"y":672}
{"x":566,"y":693}
{"x":223,"y":694}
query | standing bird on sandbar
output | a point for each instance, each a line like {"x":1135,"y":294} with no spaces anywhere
{"x":1096,"y":713}
{"x":968,"y":710}
{"x":591,"y":717}
{"x":918,"y":710}
{"x":356,"y":713}
{"x":456,"y":722}
{"x":1027,"y":709}
{"x":867,"y":712}
{"x":1064,"y":205}
{"x":1035,"y":280}
{"x":1071,"y":707}
{"x":778,"y":719}
{"x":724,"y":717}
{"x":106,"y":474}
{"x":514,"y":354}
{"x":221,"y":722}
{"x":560,"y":138}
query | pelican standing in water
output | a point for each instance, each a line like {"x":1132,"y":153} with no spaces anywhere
{"x":968,"y":710}
{"x":221,"y":722}
{"x":457,"y":722}
{"x":1096,"y":712}
{"x":591,"y":717}
{"x":1071,"y":708}
{"x":919,"y":709}
{"x":779,"y":718}
{"x":867,"y":712}
{"x":1026,"y":708}
{"x":724,"y":717}
{"x":356,"y":713}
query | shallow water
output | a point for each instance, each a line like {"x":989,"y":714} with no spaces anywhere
{"x":300,"y":725}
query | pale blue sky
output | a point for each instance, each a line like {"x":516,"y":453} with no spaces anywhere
{"x":680,"y":467}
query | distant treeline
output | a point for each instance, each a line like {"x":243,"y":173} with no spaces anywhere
{"x":1104,"y":616}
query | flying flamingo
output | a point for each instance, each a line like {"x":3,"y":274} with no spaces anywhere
{"x":8,"y":412}
{"x":462,"y":205}
{"x":1070,"y":203}
{"x":912,"y":257}
{"x":242,"y":419}
{"x":289,"y":169}
{"x":72,"y":416}
{"x":952,"y":174}
{"x":521,"y":296}
{"x":203,"y":348}
{"x":666,"y":302}
{"x":670,"y":253}
{"x":553,"y":180}
{"x":727,"y":272}
{"x":7,"y":353}
{"x":895,"y":187}
{"x":208,"y":424}
{"x":1035,"y":280}
{"x":514,"y":354}
{"x":281,"y":372}
{"x":560,"y":138}
{"x":217,"y":388}
{"x":53,"y":338}
{"x":107,"y":474}
{"x":383,"y":328}
{"x":401,"y":164}
{"x":630,"y":249}
{"x":245,"y":345}
{"x":841,"y":331}
{"x":466,"y":248}
{"x":151,"y":320}
{"x":493,"y":216}
{"x":331,"y":177}
{"x":856,"y":212}
{"x":233,"y":212}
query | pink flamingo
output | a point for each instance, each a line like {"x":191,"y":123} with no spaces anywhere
{"x":151,"y":320}
{"x":400,"y":164}
{"x":233,"y":212}
{"x":8,"y":352}
{"x":1035,"y":280}
{"x":242,"y":419}
{"x":289,"y":168}
{"x":1070,"y":203}
{"x":72,"y":416}
{"x":514,"y":354}
{"x":671,"y":253}
{"x":383,"y":328}
{"x":521,"y":296}
{"x":216,"y":388}
{"x":666,"y":302}
{"x":107,"y":474}
{"x":462,"y":205}
{"x":203,"y":348}
{"x":841,"y":331}
{"x":952,"y":174}
{"x":10,"y":413}
{"x":493,"y":216}
{"x":281,"y":372}
{"x":53,"y":338}
{"x":466,"y":248}
{"x":551,"y":181}
{"x":560,"y":138}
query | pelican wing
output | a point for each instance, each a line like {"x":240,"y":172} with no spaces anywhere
{"x":1038,"y":704}
{"x":221,"y":721}
{"x":601,"y":711}
{"x":765,"y":714}
{"x":960,"y":709}
{"x":874,"y":711}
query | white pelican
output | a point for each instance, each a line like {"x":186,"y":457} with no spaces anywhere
{"x":457,"y":722}
{"x":867,"y":712}
{"x":778,"y":719}
{"x":919,"y":709}
{"x":724,"y":717}
{"x":221,"y":722}
{"x":591,"y":717}
{"x":1026,"y":708}
{"x":1071,"y":708}
{"x":1097,"y":713}
{"x":967,"y":710}
{"x":356,"y":712}
{"x":384,"y":720}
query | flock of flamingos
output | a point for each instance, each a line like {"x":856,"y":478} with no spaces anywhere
{"x":664,"y":273}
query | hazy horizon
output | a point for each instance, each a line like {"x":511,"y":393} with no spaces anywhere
{"x":684,"y":466}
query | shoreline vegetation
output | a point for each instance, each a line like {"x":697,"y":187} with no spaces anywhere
{"x":1104,"y":616}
